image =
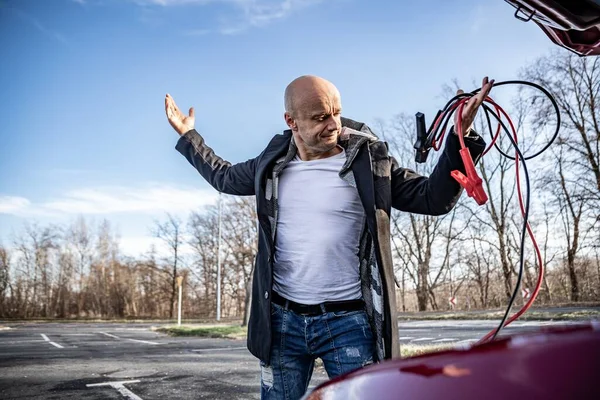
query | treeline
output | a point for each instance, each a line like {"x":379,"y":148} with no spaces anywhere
{"x":471,"y":254}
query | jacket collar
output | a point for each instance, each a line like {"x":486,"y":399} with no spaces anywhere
{"x":354,"y":135}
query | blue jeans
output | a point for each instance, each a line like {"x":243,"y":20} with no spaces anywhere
{"x":343,"y":340}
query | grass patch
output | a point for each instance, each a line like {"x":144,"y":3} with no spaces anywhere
{"x":411,"y":350}
{"x":208,"y":331}
{"x":577,"y":315}
{"x":493,"y":315}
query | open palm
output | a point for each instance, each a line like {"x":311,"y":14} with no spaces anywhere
{"x":470,"y":109}
{"x":179,"y":121}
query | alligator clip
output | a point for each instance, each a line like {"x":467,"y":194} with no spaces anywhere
{"x":422,"y":145}
{"x":472,"y":182}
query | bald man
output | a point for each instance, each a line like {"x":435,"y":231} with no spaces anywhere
{"x":323,"y":283}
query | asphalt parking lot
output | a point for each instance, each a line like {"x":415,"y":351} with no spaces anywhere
{"x":130,"y":361}
{"x":75,"y":361}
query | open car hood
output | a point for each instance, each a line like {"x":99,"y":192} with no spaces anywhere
{"x":573,"y":24}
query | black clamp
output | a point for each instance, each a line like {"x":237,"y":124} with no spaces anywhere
{"x":424,"y":142}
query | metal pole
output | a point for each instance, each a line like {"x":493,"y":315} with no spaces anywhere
{"x":179,"y":311}
{"x":219,"y":265}
{"x":179,"y":281}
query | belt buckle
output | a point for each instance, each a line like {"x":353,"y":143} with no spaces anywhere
{"x":311,"y":309}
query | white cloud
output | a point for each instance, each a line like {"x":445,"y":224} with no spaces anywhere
{"x":148,"y":199}
{"x":247,"y":13}
{"x":13,"y":204}
{"x":260,"y":13}
{"x":167,"y":3}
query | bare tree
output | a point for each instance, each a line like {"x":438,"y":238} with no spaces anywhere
{"x":575,"y":180}
{"x":171,"y":232}
{"x":241,"y":237}
{"x":575,"y":84}
{"x":417,"y":238}
{"x":79,"y":236}
{"x":4,"y":281}
{"x":203,"y":228}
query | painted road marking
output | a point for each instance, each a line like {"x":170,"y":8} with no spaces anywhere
{"x":119,"y":386}
{"x":52,"y":343}
{"x":222,"y":349}
{"x":77,"y":334}
{"x":444,"y":340}
{"x":406,"y":337}
{"x":133,"y":340}
{"x":422,"y":339}
{"x":108,"y":334}
{"x":143,"y":341}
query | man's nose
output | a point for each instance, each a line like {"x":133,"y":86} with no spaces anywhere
{"x":333,"y":124}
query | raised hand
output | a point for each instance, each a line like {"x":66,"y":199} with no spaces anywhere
{"x":470,"y":109}
{"x":179,"y":121}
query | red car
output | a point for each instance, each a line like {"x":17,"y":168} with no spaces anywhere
{"x":573,"y":24}
{"x":562,"y":363}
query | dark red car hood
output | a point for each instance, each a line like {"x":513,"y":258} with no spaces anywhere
{"x":562,"y":363}
{"x":573,"y":24}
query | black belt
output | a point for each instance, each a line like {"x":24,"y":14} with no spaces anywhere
{"x":317,"y":309}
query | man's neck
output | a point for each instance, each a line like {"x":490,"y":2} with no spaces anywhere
{"x":308,"y":155}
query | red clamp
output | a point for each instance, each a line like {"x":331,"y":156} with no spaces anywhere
{"x":472,"y":182}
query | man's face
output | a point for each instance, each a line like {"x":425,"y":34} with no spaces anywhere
{"x":317,"y":119}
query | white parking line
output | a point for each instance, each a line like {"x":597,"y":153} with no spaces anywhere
{"x":133,"y":340}
{"x":406,"y":337}
{"x":77,"y":334}
{"x":422,"y":339}
{"x":119,"y":386}
{"x":143,"y":341}
{"x":108,"y":334}
{"x":52,"y":343}
{"x":222,"y":349}
{"x":444,"y":340}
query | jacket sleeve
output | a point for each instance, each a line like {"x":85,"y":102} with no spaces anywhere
{"x":438,"y":193}
{"x":237,"y":179}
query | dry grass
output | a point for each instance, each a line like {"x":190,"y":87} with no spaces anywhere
{"x":492,"y":315}
{"x":411,"y":350}
{"x":209,"y":331}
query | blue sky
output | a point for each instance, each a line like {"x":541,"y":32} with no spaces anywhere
{"x":81,"y":117}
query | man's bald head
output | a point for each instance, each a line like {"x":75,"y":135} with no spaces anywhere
{"x":313,"y":113}
{"x":307,"y":89}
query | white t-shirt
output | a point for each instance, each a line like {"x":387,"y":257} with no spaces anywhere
{"x":320,"y":218}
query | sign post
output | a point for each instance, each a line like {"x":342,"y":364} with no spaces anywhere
{"x":452,"y":302}
{"x":179,"y":282}
{"x":219,"y":264}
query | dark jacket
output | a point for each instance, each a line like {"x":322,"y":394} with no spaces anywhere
{"x":381,"y":184}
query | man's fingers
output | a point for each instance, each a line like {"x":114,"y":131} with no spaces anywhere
{"x":192,"y":112}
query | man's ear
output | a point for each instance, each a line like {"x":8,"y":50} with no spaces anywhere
{"x":290,"y":121}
